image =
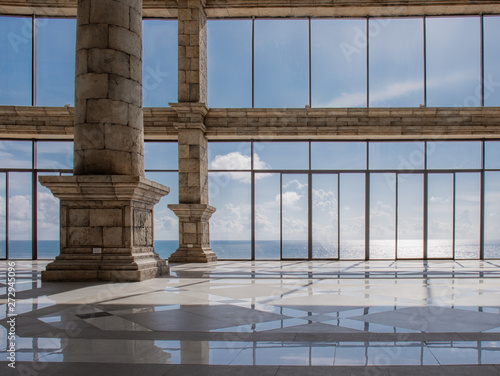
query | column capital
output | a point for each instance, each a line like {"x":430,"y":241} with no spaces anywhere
{"x":190,"y":115}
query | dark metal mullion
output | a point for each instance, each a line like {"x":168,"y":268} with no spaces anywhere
{"x":367,"y":62}
{"x":310,"y":68}
{"x":338,"y":216}
{"x":281,"y":216}
{"x":425,"y":60}
{"x":34,"y":206}
{"x":426,"y":194}
{"x":310,"y":218}
{"x":482,"y":204}
{"x":396,"y":223}
{"x":310,"y":206}
{"x":253,"y":62}
{"x":367,"y":203}
{"x":367,"y":216}
{"x":252,"y":256}
{"x":454,"y":211}
{"x":33,"y":61}
{"x":482,"y":59}
{"x":7,"y":200}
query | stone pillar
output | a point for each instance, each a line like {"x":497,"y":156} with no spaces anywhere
{"x":193,"y":209}
{"x":107,"y":207}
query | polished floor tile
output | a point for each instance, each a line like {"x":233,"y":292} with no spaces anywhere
{"x":290,"y":317}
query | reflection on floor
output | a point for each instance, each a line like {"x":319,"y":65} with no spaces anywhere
{"x":261,"y":318}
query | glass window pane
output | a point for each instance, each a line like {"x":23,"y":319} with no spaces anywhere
{"x":16,"y":61}
{"x":267,"y":216}
{"x":56,"y":46}
{"x":396,"y":62}
{"x":338,"y":63}
{"x":159,"y":70}
{"x":410,"y":216}
{"x":295,"y":215}
{"x":229,"y":63}
{"x":161,"y":156}
{"x":454,"y":155}
{"x":55,"y":154}
{"x":166,"y":234}
{"x":231,"y":224}
{"x":230,"y":156}
{"x":281,"y":155}
{"x":491,"y":61}
{"x":396,"y":155}
{"x":48,"y":222}
{"x":440,"y":216}
{"x":382,"y":216}
{"x":20,"y":215}
{"x":352,"y":216}
{"x":453,"y":61}
{"x":492,"y":154}
{"x":16,"y":154}
{"x":492,"y":215}
{"x":325,"y":216}
{"x":281,"y":63}
{"x":467,"y":215}
{"x":3,"y":232}
{"x":338,"y":155}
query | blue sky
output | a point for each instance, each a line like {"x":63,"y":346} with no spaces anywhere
{"x":339,"y":78}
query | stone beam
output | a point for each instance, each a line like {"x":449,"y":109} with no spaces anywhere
{"x":246,"y":123}
{"x":273,"y":8}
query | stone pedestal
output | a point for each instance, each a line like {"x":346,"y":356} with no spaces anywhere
{"x":106,"y":228}
{"x":194,"y":233}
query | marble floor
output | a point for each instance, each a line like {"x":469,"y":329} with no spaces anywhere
{"x":259,"y":318}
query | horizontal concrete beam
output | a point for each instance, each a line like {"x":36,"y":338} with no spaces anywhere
{"x":274,"y":8}
{"x":299,"y":124}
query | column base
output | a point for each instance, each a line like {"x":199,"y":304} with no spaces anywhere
{"x":194,"y":235}
{"x":106,"y":229}
{"x":186,"y":255}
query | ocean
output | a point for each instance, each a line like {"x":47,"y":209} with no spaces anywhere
{"x":270,"y":249}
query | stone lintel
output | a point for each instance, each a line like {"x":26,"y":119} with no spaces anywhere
{"x":190,"y":115}
{"x":194,"y":235}
{"x":106,"y":228}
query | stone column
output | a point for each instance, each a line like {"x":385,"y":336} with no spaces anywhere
{"x":107,"y":207}
{"x":193,"y":209}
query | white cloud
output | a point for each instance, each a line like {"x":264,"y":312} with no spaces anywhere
{"x":237,"y":161}
{"x":231,"y":222}
{"x":398,"y":89}
{"x":290,"y":199}
{"x":297,"y":185}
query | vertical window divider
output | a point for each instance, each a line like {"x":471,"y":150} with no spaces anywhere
{"x":396,"y":219}
{"x":252,"y":257}
{"x":368,"y":62}
{"x":310,"y":65}
{"x":281,"y":215}
{"x":454,"y":211}
{"x":338,"y":216}
{"x":34,"y":202}
{"x":33,"y":61}
{"x":253,"y":67}
{"x":482,"y":59}
{"x":7,"y":193}
{"x":426,"y":181}
{"x":309,"y":203}
{"x":425,"y":59}
{"x":482,"y":203}
{"x":367,"y":203}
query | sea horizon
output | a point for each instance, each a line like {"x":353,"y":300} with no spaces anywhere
{"x":292,"y":249}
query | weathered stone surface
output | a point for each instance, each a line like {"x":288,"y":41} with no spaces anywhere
{"x":97,"y":213}
{"x":109,"y":139}
{"x":194,"y":237}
